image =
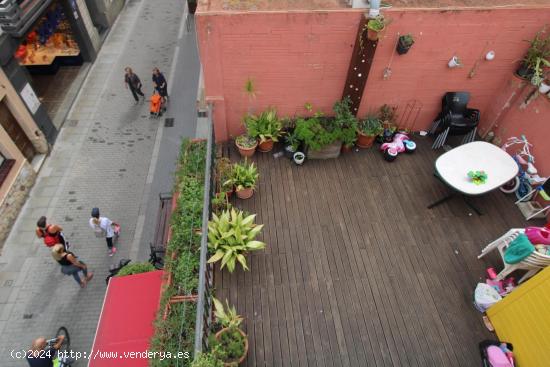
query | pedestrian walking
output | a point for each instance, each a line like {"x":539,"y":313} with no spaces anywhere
{"x":103,"y":226}
{"x":52,"y":234}
{"x":160,"y":84}
{"x":70,"y":265}
{"x":132,"y":81}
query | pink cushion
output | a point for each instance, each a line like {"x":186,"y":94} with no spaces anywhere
{"x":497,"y":358}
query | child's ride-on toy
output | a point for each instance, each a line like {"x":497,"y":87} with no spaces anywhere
{"x":399,"y":144}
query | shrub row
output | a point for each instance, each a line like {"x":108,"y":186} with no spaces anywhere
{"x":176,"y":333}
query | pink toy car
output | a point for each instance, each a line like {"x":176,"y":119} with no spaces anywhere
{"x":400,"y":143}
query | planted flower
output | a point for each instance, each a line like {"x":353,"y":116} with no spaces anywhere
{"x":231,"y":236}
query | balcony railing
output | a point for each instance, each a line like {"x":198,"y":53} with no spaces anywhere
{"x":206,"y":271}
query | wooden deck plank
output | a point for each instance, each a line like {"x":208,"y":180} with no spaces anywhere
{"x":358,"y":272}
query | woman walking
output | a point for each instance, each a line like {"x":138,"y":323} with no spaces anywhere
{"x":160,"y":84}
{"x":70,"y":265}
{"x":52,"y":234}
{"x":132,"y":81}
{"x":105,"y":226}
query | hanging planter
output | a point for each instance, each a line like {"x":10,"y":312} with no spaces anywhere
{"x":374,"y":27}
{"x":454,"y":62}
{"x":404,"y":44}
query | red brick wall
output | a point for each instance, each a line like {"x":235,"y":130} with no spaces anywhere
{"x":299,"y":57}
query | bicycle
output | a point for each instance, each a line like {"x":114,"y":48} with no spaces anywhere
{"x":62,"y":358}
{"x":522,"y":184}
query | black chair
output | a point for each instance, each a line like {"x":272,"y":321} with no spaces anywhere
{"x":455,"y":118}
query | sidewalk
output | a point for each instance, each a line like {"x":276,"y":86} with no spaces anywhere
{"x":102,"y":158}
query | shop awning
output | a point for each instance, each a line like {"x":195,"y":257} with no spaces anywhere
{"x":126,"y":322}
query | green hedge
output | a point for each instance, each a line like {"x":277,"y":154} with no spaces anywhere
{"x":135,"y":268}
{"x":176,"y":333}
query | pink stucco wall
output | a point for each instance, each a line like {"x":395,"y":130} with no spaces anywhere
{"x":299,"y":57}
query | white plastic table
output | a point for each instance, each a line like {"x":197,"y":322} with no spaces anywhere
{"x":453,"y":167}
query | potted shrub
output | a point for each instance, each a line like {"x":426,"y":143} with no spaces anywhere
{"x":291,"y":145}
{"x":243,"y":178}
{"x":246,"y":145}
{"x":367,"y":130}
{"x":536,"y":57}
{"x":223,"y":174}
{"x":323,"y":136}
{"x":265,"y":127}
{"x":231,"y":236}
{"x":346,"y":122}
{"x":230,"y":344}
{"x":374,"y":27}
{"x":405,"y":43}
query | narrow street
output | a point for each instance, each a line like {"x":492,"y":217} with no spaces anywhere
{"x":110,"y":155}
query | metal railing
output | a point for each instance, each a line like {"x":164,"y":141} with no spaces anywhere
{"x":206,"y":271}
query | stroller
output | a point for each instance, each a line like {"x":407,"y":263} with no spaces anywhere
{"x":496,"y":354}
{"x":156,"y":107}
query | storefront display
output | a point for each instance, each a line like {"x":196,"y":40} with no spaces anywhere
{"x":50,"y":38}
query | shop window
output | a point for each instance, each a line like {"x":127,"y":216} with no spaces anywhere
{"x":50,"y":37}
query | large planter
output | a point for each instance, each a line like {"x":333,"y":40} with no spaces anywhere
{"x":243,"y":357}
{"x":245,"y":193}
{"x":246,"y":152}
{"x":327,"y":152}
{"x":265,"y":146}
{"x":364,"y":141}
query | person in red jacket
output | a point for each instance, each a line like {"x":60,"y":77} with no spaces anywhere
{"x":50,"y":233}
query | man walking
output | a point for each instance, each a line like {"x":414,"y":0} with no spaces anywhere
{"x":132,"y":81}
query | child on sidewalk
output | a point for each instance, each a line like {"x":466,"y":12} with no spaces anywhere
{"x":105,"y":226}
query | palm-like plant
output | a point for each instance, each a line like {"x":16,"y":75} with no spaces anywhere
{"x":243,"y":176}
{"x":265,"y":126}
{"x":230,"y":236}
{"x":227,"y":317}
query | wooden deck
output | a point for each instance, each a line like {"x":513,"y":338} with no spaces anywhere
{"x":358,"y":272}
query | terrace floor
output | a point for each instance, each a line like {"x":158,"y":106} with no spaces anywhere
{"x":357,"y":271}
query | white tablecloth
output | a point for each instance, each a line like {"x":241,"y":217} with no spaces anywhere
{"x":453,"y":167}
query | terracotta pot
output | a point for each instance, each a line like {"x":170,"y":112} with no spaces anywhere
{"x":373,"y":35}
{"x":246,"y":152}
{"x":241,"y":360}
{"x":346,"y":149}
{"x":245,"y":193}
{"x":266,"y":146}
{"x":364,"y":141}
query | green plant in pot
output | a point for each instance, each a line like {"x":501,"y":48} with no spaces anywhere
{"x":345,"y":121}
{"x":292,"y":143}
{"x":243,"y":178}
{"x":405,"y":43}
{"x":536,"y":58}
{"x":265,"y":127}
{"x":231,"y":235}
{"x":230,"y":344}
{"x":374,"y":27}
{"x":246,"y":145}
{"x":367,"y":130}
{"x":223,"y":174}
